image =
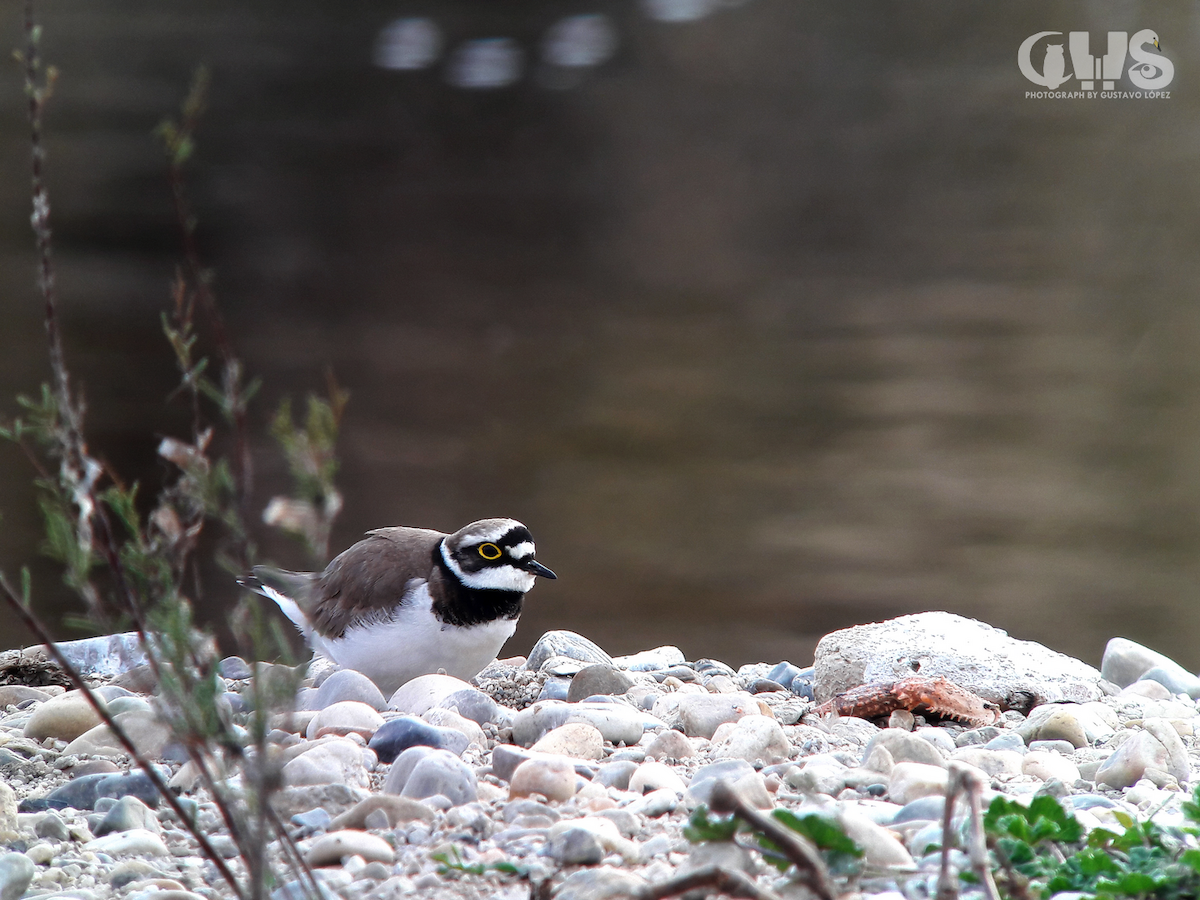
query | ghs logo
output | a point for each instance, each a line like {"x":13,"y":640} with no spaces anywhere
{"x":1150,"y":71}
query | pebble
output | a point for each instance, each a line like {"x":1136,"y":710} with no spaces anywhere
{"x":423,"y":772}
{"x":565,"y":643}
{"x":552,"y":777}
{"x":601,"y":678}
{"x":429,"y":691}
{"x":655,"y":804}
{"x":397,"y":735}
{"x":699,"y":715}
{"x":604,"y":883}
{"x":992,"y":762}
{"x":137,"y":842}
{"x":331,"y":761}
{"x":127,"y":814}
{"x":333,"y":847}
{"x":1141,"y":750}
{"x":1046,"y":766}
{"x":14,"y":694}
{"x":343,"y":718}
{"x":656,"y":660}
{"x":448,"y":718}
{"x":1126,"y":661}
{"x":754,"y":737}
{"x":575,"y":847}
{"x":334,"y":798}
{"x":904,"y":746}
{"x":16,"y":874}
{"x":617,"y":723}
{"x":655,"y":776}
{"x":576,"y":739}
{"x":1175,"y":678}
{"x":910,"y":780}
{"x":670,"y":744}
{"x":347,"y":684}
{"x":63,"y":718}
{"x":145,"y":730}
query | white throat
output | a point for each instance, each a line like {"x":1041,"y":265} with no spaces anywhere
{"x":493,"y":578}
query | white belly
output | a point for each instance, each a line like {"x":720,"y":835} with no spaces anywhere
{"x":414,"y":642}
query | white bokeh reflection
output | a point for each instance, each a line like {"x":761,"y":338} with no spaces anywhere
{"x":679,"y":10}
{"x":580,"y":41}
{"x":485,"y":63}
{"x":408,"y":44}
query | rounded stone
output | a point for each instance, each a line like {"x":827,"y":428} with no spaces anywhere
{"x":552,"y":777}
{"x":1049,"y":766}
{"x":14,"y":694}
{"x":328,"y":762}
{"x":63,"y":718}
{"x":138,"y":842}
{"x":344,"y":717}
{"x":655,"y":776}
{"x":16,"y":874}
{"x":753,"y":737}
{"x":576,"y":739}
{"x":576,"y":847}
{"x":397,"y":735}
{"x":127,"y":814}
{"x":234,"y":667}
{"x":598,"y":679}
{"x":699,"y":715}
{"x":904,"y":746}
{"x":910,"y":780}
{"x":670,"y":744}
{"x":423,"y":772}
{"x":1140,"y":751}
{"x":335,"y":846}
{"x":1063,"y":725}
{"x":347,"y":684}
{"x":616,"y":774}
{"x":565,"y":643}
{"x":448,"y":718}
{"x":993,"y":762}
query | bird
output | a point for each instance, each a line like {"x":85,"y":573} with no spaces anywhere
{"x":404,"y":602}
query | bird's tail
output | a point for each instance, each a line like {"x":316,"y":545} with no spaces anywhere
{"x":280,"y":586}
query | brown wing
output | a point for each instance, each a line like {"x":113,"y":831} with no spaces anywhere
{"x":370,"y":577}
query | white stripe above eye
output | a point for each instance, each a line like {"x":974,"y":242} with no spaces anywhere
{"x":521,"y":551}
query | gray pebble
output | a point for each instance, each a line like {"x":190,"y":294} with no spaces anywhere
{"x":602,"y":678}
{"x":312,"y":821}
{"x":616,"y":774}
{"x":51,"y":826}
{"x":16,"y":873}
{"x":555,"y":688}
{"x":234,"y":667}
{"x":347,"y":684}
{"x":1009,"y":740}
{"x":576,"y":847}
{"x":564,"y":643}
{"x":423,"y":772}
{"x":126,"y":814}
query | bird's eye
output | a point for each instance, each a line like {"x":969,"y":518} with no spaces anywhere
{"x":490,"y":551}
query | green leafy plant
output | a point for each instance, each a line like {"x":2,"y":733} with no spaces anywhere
{"x":133,"y":561}
{"x":1042,"y":850}
{"x":452,"y":862}
{"x":841,"y":855}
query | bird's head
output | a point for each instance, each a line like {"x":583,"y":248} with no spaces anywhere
{"x":493,"y":554}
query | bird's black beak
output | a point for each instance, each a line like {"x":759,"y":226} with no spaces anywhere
{"x":532,"y":565}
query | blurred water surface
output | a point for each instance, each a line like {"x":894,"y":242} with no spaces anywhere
{"x":767,"y":318}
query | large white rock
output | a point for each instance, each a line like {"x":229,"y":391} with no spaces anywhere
{"x":969,"y":653}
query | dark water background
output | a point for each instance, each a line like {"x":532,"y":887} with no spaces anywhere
{"x":795,"y":316}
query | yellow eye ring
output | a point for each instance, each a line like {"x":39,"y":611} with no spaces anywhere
{"x":490,"y":551}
